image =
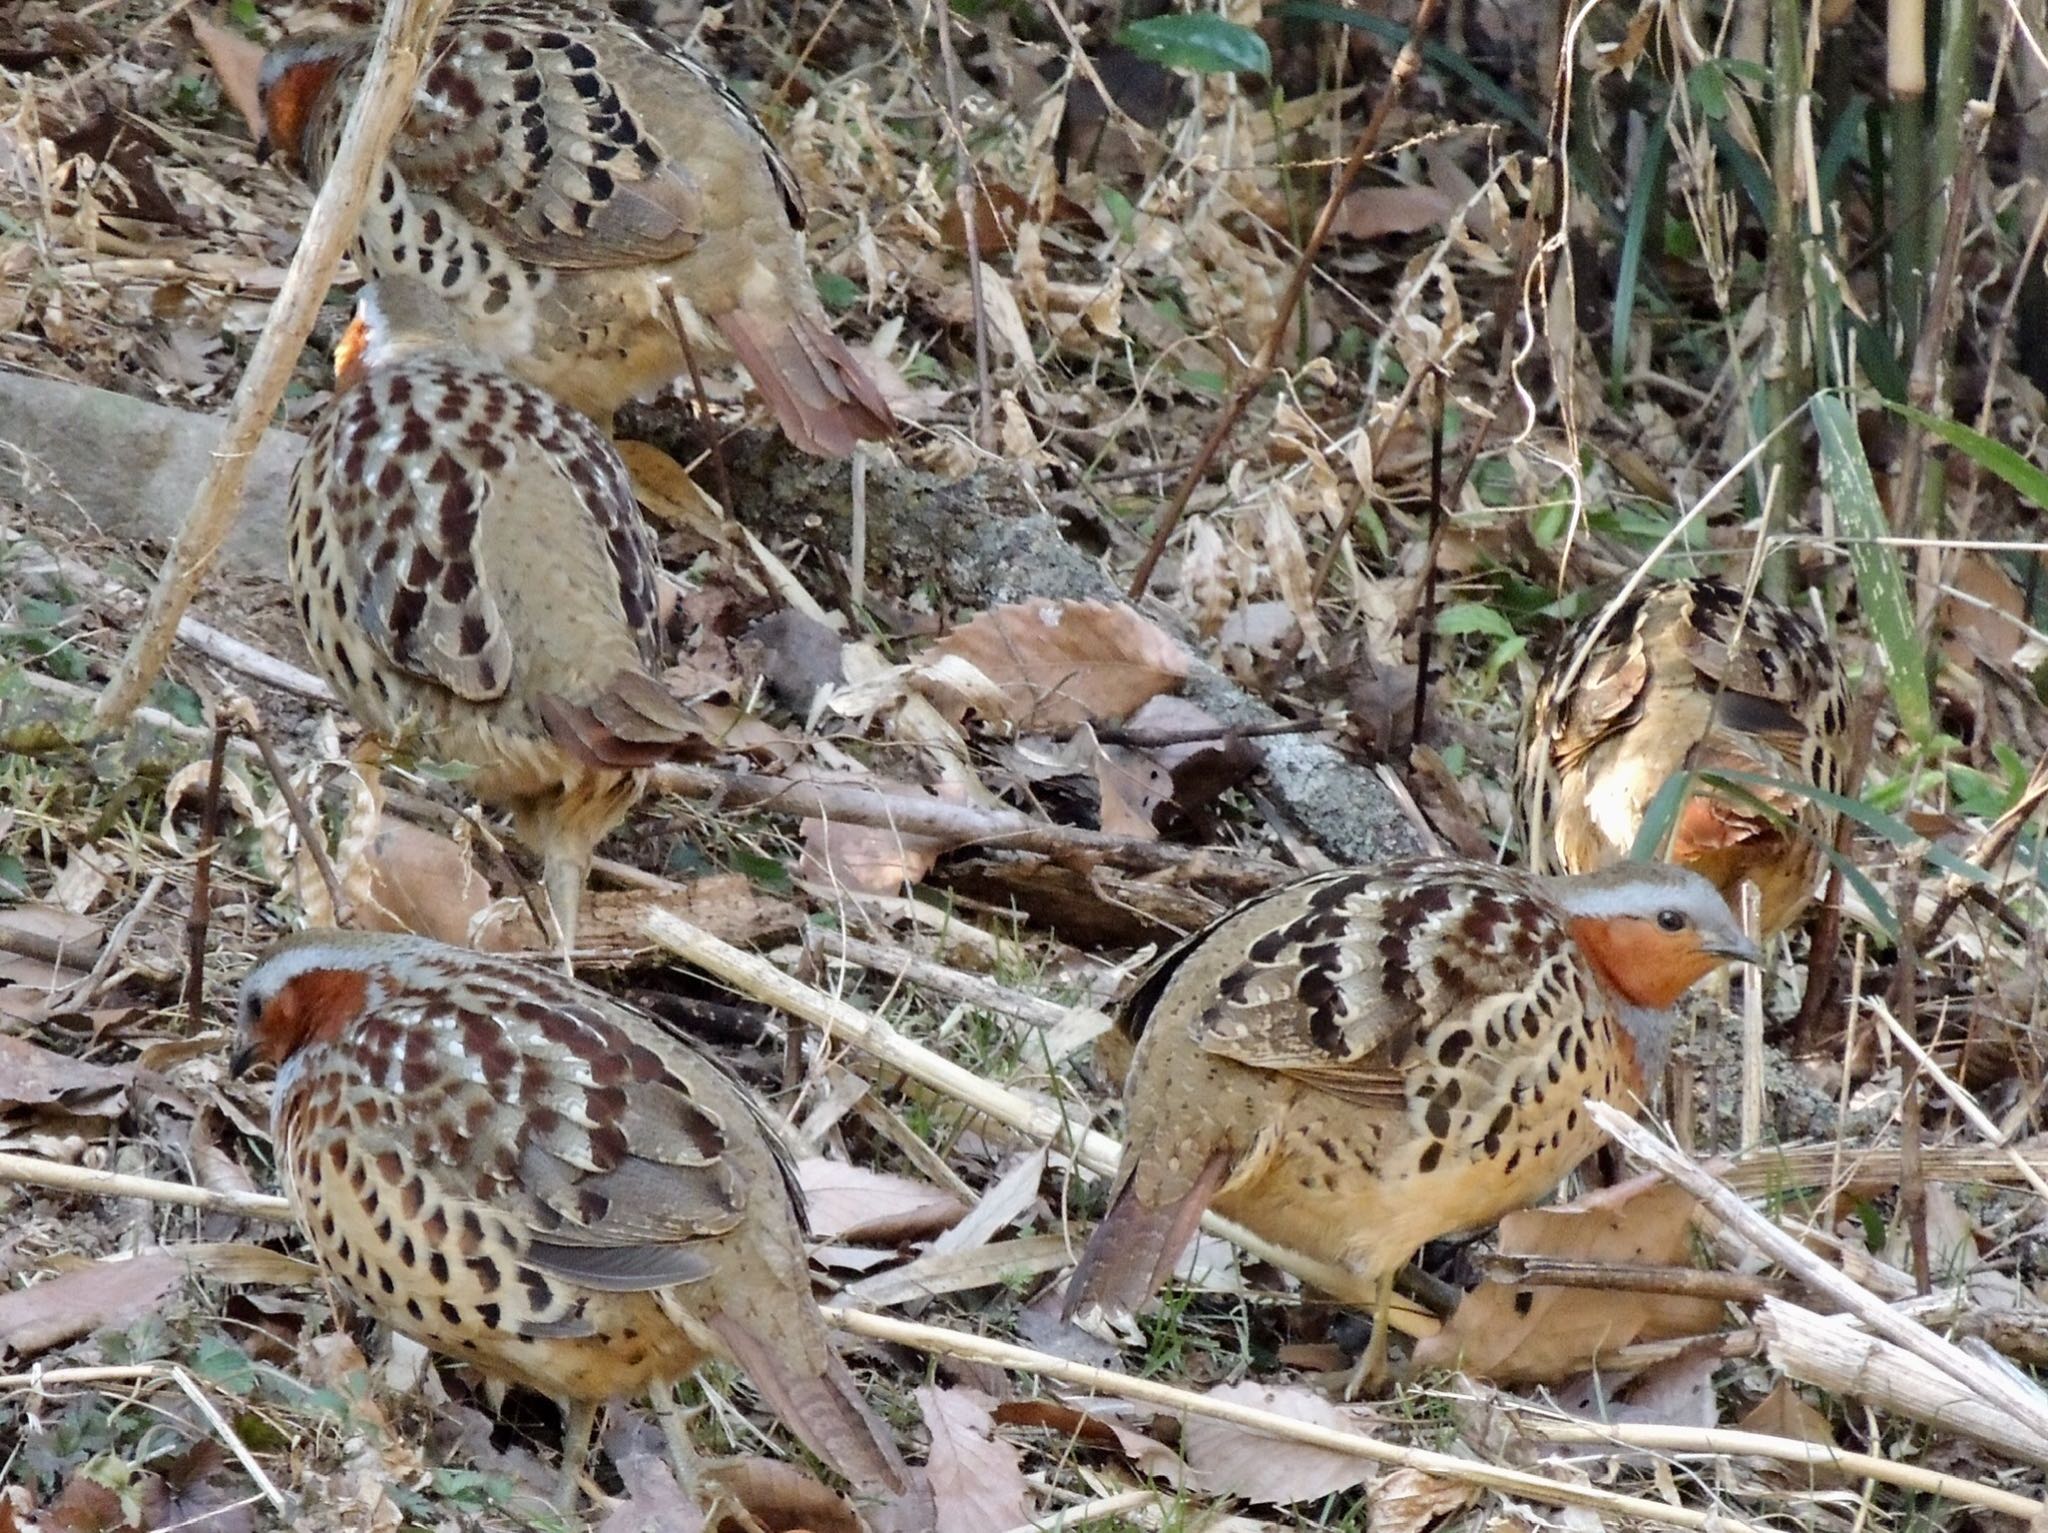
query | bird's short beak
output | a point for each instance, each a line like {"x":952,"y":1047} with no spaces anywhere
{"x":1736,"y":949}
{"x":239,"y":1064}
{"x":264,"y":149}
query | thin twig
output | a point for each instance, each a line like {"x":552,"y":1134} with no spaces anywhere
{"x":30,"y":1171}
{"x":672,"y":307}
{"x":230,"y":1438}
{"x":202,"y":876}
{"x":1464,"y":1471}
{"x":386,"y":96}
{"x":965,"y":196}
{"x":251,"y":724}
{"x":959,"y":824}
{"x":1425,"y":615}
{"x":1827,"y":932}
{"x":1406,"y":63}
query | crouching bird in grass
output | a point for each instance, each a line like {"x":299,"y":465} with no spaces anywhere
{"x":1366,"y":1060}
{"x":1690,"y":674}
{"x":476,"y":581}
{"x":561,"y":173}
{"x":521,"y":1173}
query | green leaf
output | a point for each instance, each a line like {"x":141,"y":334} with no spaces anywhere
{"x":1880,"y":584}
{"x":1464,"y":617}
{"x":1648,"y":194}
{"x":765,"y":871}
{"x":1985,"y":453}
{"x":1201,"y":44}
{"x":223,"y":1364}
{"x":836,"y":291}
{"x":1708,"y":87}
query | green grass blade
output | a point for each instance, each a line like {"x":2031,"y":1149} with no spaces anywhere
{"x":1648,"y":195}
{"x":1880,"y":584}
{"x":1985,"y":453}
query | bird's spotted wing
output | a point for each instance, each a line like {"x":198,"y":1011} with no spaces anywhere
{"x":1773,"y":677}
{"x":620,"y":1151}
{"x":1338,"y":978}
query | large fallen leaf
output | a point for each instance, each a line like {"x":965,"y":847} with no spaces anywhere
{"x":1147,"y":1454}
{"x":976,"y":1480}
{"x":1232,"y":1460}
{"x":852,"y":1203}
{"x":32,"y":1076}
{"x":423,"y":882}
{"x":106,"y":1295}
{"x":781,"y":1496}
{"x":1057,"y":664}
{"x":1517,"y":1334}
{"x":652,"y":1498}
{"x":237,"y":62}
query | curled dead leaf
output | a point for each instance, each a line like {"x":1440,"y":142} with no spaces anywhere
{"x":1233,"y":1460}
{"x":852,"y":1203}
{"x":977,"y":1481}
{"x":1054,"y":665}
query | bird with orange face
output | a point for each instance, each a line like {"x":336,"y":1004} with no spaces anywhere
{"x":1363,"y":1061}
{"x":1690,"y":675}
{"x":562,"y":175}
{"x":525,"y":1175}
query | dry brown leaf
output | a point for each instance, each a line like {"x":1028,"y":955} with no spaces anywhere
{"x":1784,"y":1413}
{"x":1232,"y":1460}
{"x":1536,"y":1335}
{"x":77,"y":937}
{"x":1058,"y":664}
{"x":1374,"y":212}
{"x":1132,"y":786}
{"x":425,"y":883}
{"x":1200,"y":769}
{"x":237,"y":62}
{"x":1985,"y":612}
{"x":32,"y":1076}
{"x":652,"y":1498}
{"x":1407,"y":1501}
{"x":976,"y":1480}
{"x":669,"y":495}
{"x":114,"y":1293}
{"x":851,"y":1203}
{"x":782,"y":1496}
{"x":871,"y":859}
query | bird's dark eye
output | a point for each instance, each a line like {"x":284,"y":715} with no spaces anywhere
{"x":1671,"y":920}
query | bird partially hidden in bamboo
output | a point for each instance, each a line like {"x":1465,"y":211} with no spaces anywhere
{"x":1363,"y":1061}
{"x":562,"y":175}
{"x":1690,"y":675}
{"x":477,"y":582}
{"x":525,"y":1175}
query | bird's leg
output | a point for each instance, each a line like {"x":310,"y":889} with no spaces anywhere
{"x":696,"y":1477}
{"x":1372,"y":1363}
{"x":563,"y":879}
{"x":578,"y":1418}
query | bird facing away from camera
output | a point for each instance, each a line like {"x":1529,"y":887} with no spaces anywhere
{"x":563,"y":175}
{"x":1690,"y":675}
{"x":476,"y":581}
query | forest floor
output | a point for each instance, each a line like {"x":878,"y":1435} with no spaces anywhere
{"x":1253,"y":713}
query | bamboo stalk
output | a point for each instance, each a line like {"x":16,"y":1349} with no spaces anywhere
{"x":402,"y":40}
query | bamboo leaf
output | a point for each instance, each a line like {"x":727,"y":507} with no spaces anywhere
{"x":1201,"y":44}
{"x":1880,"y":584}
{"x":1985,"y":453}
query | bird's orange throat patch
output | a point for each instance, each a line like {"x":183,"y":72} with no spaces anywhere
{"x":288,"y":103}
{"x":350,"y":360}
{"x":310,"y":1008}
{"x":1639,"y":961}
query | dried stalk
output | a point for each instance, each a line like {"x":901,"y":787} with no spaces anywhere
{"x":1464,"y":1471}
{"x":1831,"y":1354}
{"x":1789,"y":1450}
{"x":2005,"y":1391}
{"x":28,"y":1171}
{"x":386,"y":96}
{"x":964,"y":197}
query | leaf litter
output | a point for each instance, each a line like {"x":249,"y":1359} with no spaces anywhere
{"x":1121,"y":294}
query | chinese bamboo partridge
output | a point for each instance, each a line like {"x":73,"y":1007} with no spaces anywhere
{"x":524,"y":1174}
{"x":1690,"y":674}
{"x":477,"y":582}
{"x":561,"y":171}
{"x":1365,"y":1060}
